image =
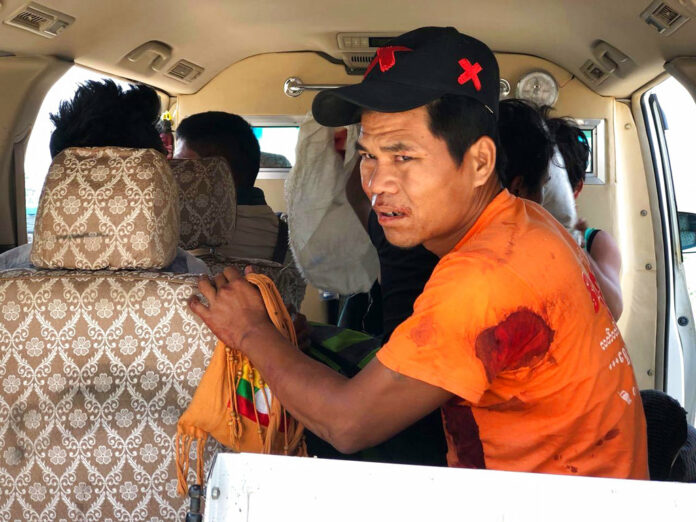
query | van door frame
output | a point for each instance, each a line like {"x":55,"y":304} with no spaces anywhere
{"x":676,"y":339}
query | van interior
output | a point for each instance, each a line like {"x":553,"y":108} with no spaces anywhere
{"x":625,"y":70}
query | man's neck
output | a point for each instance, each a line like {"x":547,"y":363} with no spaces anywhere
{"x":250,"y":196}
{"x":443,"y":245}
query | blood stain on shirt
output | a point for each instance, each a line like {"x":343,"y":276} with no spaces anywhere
{"x":462,"y":427}
{"x":518,"y":341}
{"x":611,"y":434}
{"x":423,"y":332}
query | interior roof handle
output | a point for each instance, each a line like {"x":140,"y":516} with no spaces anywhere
{"x":612,"y":60}
{"x":161,"y":51}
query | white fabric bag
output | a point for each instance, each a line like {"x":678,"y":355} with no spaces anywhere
{"x":330,"y":245}
{"x":558,"y":195}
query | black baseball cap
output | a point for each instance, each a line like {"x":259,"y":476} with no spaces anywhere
{"x":414,"y":69}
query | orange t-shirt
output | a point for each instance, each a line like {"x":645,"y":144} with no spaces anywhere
{"x":513,"y":323}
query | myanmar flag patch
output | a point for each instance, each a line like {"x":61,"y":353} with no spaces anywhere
{"x":251,"y":389}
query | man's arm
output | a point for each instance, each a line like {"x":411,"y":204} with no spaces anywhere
{"x":605,"y":260}
{"x":350,"y":414}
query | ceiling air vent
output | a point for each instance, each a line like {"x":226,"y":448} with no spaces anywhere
{"x":185,"y":71}
{"x":664,"y":16}
{"x":40,"y":20}
{"x":594,"y":72}
{"x":357,"y":63}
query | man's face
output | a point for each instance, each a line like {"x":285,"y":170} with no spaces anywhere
{"x":420,"y":195}
{"x":182,"y":151}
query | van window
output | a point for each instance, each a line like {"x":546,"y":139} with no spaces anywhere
{"x":277,"y":146}
{"x":38,"y":157}
{"x":679,"y":112}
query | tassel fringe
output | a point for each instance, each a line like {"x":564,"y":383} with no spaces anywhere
{"x":279,"y":420}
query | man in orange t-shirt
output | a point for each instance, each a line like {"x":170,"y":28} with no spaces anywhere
{"x":513,"y":323}
{"x":511,"y":337}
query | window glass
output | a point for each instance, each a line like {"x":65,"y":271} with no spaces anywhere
{"x":38,"y":157}
{"x":277,"y":146}
{"x":679,"y":110}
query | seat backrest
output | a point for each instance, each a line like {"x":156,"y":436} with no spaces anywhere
{"x":97,"y":366}
{"x":106,"y":207}
{"x":207,"y":202}
{"x":287,"y":278}
{"x":667,"y":431}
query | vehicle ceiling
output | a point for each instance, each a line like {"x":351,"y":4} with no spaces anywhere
{"x":216,"y":34}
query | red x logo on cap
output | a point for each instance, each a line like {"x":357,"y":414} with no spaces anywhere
{"x":470,"y":73}
{"x":386,"y":57}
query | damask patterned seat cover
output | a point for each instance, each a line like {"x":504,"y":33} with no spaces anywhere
{"x":207,"y":202}
{"x":287,"y":278}
{"x":96,"y":367}
{"x":107,"y":208}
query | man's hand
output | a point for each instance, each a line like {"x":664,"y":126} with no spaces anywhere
{"x":235,"y":307}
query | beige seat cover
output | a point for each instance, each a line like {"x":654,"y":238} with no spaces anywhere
{"x":97,"y":366}
{"x":95,"y":370}
{"x":207,"y":201}
{"x":107,"y":208}
{"x":287,"y":278}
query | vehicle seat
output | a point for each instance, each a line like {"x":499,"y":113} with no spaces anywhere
{"x":208,"y":203}
{"x":667,"y":430}
{"x":97,"y":365}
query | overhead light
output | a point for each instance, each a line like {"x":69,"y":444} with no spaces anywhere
{"x":538,"y":87}
{"x":40,"y":20}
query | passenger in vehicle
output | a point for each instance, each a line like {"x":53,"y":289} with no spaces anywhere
{"x":259,"y":231}
{"x":511,"y":337}
{"x":526,"y":144}
{"x":603,"y":252}
{"x":102,"y":114}
{"x":527,"y":147}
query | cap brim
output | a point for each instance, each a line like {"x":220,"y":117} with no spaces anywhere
{"x":343,"y":106}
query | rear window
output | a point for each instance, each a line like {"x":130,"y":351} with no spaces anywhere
{"x":277,"y":146}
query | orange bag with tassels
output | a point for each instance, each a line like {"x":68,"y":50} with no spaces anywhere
{"x":234,"y":405}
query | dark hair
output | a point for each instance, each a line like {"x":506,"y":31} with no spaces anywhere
{"x":573,"y":146}
{"x":460,"y":121}
{"x":223,"y":134}
{"x":526,"y":143}
{"x":102,"y":114}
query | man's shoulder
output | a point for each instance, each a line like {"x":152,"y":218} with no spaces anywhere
{"x":516,"y":250}
{"x":260,"y":212}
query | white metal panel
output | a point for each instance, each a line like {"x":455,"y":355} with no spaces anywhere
{"x":246,"y":487}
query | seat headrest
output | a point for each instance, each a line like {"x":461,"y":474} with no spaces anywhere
{"x":207,"y":201}
{"x":107,"y":208}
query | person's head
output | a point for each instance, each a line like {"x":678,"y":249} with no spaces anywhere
{"x":102,"y":114}
{"x":527,"y":146}
{"x":427,"y":106}
{"x":221,"y":134}
{"x":574,"y":148}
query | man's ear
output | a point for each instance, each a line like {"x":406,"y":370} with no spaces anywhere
{"x":482,"y":155}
